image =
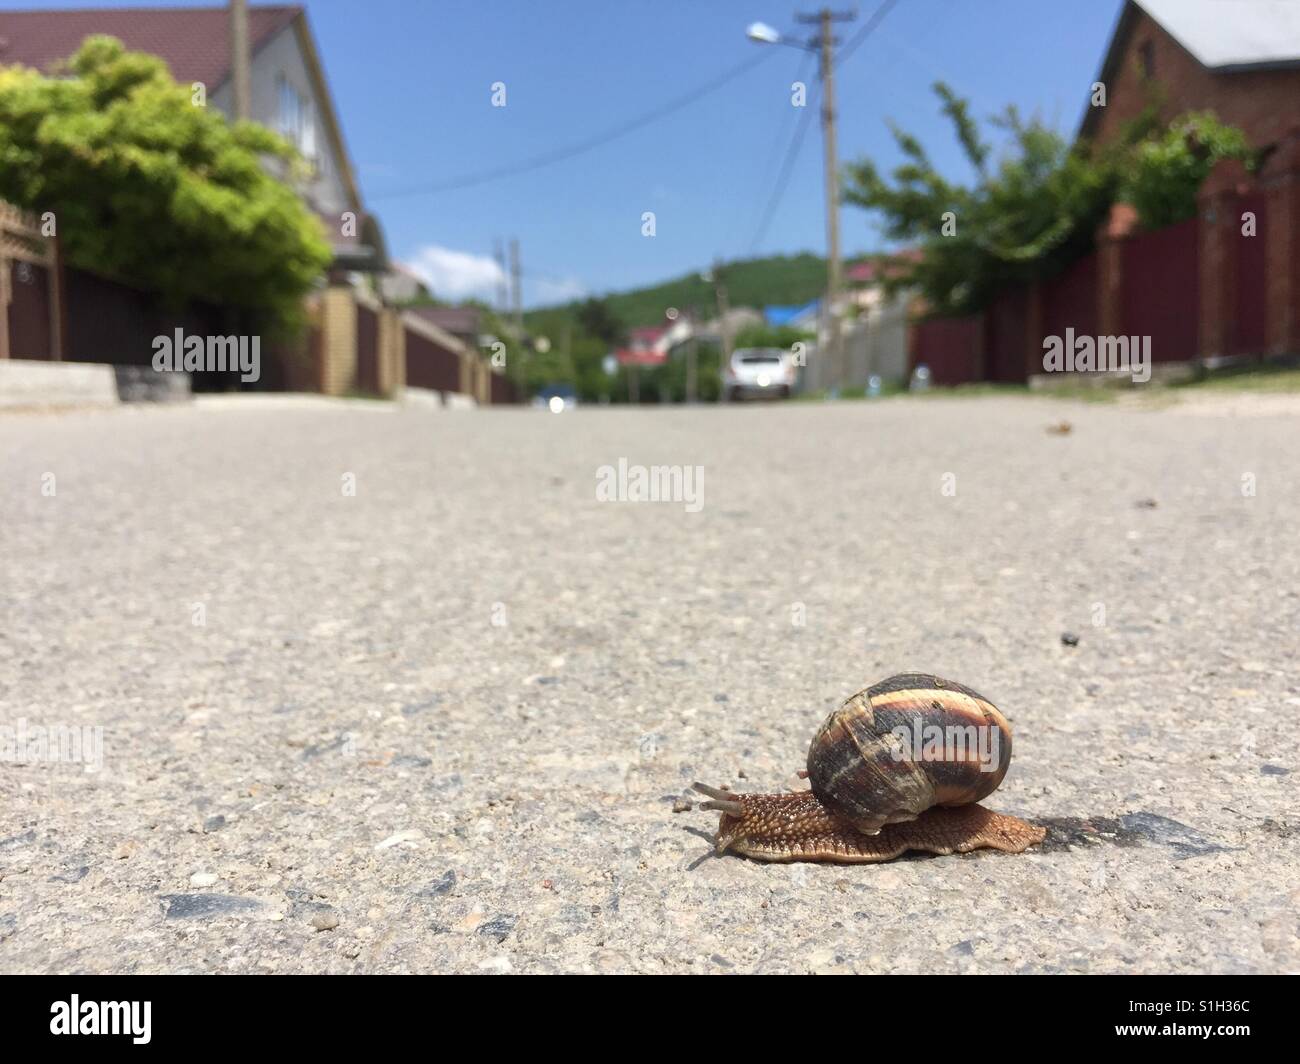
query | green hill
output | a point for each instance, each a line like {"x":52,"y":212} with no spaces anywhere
{"x":779,"y":279}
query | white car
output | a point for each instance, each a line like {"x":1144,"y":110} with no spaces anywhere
{"x":759,"y":371}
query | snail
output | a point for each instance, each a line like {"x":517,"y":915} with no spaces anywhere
{"x":899,"y":766}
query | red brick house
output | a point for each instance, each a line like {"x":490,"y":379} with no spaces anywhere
{"x":1222,"y":285}
{"x":1240,"y":60}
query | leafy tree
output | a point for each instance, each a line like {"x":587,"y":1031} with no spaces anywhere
{"x":596,"y":319}
{"x":1165,"y":171}
{"x":150,"y":189}
{"x":1038,"y":208}
{"x":769,"y":336}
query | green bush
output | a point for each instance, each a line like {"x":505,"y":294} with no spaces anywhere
{"x":148,"y":188}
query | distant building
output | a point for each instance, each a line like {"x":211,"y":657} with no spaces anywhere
{"x":1240,"y":60}
{"x":646,"y":347}
{"x":401,"y":284}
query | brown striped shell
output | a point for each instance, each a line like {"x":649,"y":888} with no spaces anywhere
{"x":906,"y":744}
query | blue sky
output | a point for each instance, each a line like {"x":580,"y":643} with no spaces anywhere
{"x":412,"y":80}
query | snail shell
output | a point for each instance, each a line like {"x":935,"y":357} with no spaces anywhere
{"x":873,"y":761}
{"x":899,"y":766}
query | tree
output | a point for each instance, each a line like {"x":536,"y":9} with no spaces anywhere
{"x":595,"y":318}
{"x":1166,"y":170}
{"x":151,"y":189}
{"x":770,"y":336}
{"x":1039,"y":207}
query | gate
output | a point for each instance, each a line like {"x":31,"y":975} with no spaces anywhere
{"x":29,"y":306}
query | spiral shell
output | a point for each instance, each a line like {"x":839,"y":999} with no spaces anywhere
{"x":906,"y":744}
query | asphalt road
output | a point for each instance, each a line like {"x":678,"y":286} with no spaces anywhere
{"x":440,"y":724}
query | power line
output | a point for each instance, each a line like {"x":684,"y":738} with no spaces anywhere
{"x":561,"y":154}
{"x":868,"y":27}
{"x":801,"y":129}
{"x":774,"y":152}
{"x":783,"y":179}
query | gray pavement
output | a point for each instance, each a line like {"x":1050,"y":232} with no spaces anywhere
{"x":441,"y":724}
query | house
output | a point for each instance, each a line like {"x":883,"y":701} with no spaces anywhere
{"x":401,"y":284}
{"x":1239,"y":60}
{"x":289,"y":90}
{"x":647,"y":346}
{"x":356,"y":343}
{"x":865,"y":280}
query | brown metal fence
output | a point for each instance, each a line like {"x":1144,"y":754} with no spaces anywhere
{"x":1070,"y":300}
{"x":1250,"y":318}
{"x":503,"y":389}
{"x":367,"y":350}
{"x":29,"y":310}
{"x":950,"y":347}
{"x":115,"y":323}
{"x":1160,"y":290}
{"x":429,"y":365}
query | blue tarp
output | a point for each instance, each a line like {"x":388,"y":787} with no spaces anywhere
{"x":777,"y":316}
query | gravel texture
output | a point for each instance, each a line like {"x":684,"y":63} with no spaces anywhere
{"x":443,"y":724}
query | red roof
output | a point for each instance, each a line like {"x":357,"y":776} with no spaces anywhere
{"x":640,"y":357}
{"x":875,"y":269}
{"x":194,"y":42}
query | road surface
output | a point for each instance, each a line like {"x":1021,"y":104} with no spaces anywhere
{"x":388,"y":690}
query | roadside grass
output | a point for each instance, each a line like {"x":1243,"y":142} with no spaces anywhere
{"x":1256,"y":377}
{"x":981,"y":390}
{"x":1272,"y":377}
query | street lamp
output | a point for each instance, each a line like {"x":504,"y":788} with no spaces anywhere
{"x":823,"y":43}
{"x":765,"y":34}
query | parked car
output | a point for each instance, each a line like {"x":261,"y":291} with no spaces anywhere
{"x":759,"y":371}
{"x":557,"y":398}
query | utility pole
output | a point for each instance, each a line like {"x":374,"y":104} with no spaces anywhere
{"x":517,"y":292}
{"x":724,"y":322}
{"x":825,"y":41}
{"x":241,"y":80}
{"x":692,"y":366}
{"x":503,"y":297}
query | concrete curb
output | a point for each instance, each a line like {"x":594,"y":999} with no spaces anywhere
{"x":25,"y":384}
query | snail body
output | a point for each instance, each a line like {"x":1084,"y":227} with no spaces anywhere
{"x":899,"y":766}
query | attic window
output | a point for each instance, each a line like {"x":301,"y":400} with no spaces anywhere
{"x":296,"y":119}
{"x":1147,"y":58}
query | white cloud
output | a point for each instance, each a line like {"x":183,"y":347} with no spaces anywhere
{"x":456,"y":275}
{"x":542,"y":291}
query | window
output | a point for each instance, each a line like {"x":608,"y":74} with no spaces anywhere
{"x":1147,"y":59}
{"x":296,"y":118}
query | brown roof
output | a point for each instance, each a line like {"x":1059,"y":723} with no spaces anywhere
{"x":459,"y":321}
{"x":193,"y":41}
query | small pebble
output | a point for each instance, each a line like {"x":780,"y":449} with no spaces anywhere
{"x":324,"y":921}
{"x":202,"y":879}
{"x":1069,"y":639}
{"x":683,"y":805}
